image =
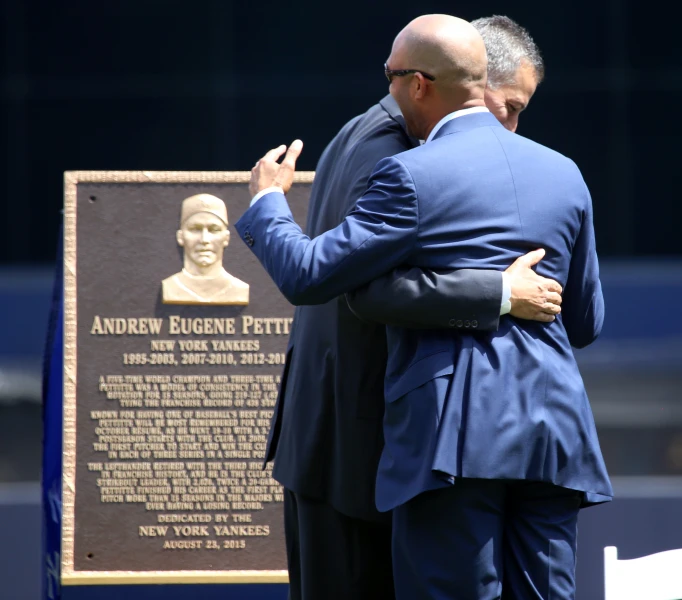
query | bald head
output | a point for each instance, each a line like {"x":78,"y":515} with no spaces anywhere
{"x":446,"y":47}
{"x":441,"y":66}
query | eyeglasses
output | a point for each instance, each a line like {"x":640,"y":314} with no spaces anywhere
{"x":391,"y":73}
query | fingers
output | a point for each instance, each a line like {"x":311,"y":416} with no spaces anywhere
{"x":553,"y":286}
{"x":551,"y":305}
{"x":534,"y":257}
{"x":540,"y":312}
{"x":528,"y":260}
{"x":544,"y":282}
{"x":293,"y":153}
{"x":274,"y":154}
{"x":550,"y":308}
{"x":285,"y":174}
{"x":546,"y":314}
{"x":544,"y":317}
{"x":553,"y":298}
{"x":289,"y":160}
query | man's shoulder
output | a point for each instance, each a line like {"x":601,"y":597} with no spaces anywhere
{"x":520,"y":141}
{"x":511,"y":143}
{"x":550,"y":160}
{"x":365,"y":134}
{"x":375,"y":122}
{"x":363,"y":142}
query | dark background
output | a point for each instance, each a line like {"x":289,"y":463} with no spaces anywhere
{"x":211,"y":85}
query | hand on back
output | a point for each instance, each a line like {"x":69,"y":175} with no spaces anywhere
{"x":533,"y":297}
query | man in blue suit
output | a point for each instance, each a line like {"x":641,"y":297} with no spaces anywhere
{"x":490,"y":445}
{"x":326,"y":435}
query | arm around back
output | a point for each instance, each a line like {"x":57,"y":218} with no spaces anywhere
{"x":423,"y":299}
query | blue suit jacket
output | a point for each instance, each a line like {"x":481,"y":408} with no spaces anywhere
{"x":326,"y":435}
{"x":504,"y":405}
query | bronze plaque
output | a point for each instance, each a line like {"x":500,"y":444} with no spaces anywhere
{"x":174,"y":345}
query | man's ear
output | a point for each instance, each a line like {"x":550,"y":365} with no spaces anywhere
{"x":227,"y":239}
{"x":419,"y":86}
{"x":179,"y":238}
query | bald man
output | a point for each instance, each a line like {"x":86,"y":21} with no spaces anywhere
{"x":326,"y":433}
{"x":414,"y":297}
{"x":490,"y":445}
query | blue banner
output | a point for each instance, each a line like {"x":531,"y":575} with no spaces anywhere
{"x":52,"y":441}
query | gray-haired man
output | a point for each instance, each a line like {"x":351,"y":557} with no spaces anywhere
{"x":326,"y":434}
{"x":515,"y":68}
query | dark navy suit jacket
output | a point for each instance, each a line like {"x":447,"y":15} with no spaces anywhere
{"x":508,"y":404}
{"x":326,"y":434}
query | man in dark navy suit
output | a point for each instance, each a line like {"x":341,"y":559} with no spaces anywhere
{"x":490,"y":445}
{"x":326,"y":435}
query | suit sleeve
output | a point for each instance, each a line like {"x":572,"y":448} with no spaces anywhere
{"x":582,"y":308}
{"x":377,"y":235}
{"x":423,"y":299}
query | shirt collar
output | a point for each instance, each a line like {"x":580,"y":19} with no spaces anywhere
{"x":454,"y":115}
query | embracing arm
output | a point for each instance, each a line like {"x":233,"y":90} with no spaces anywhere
{"x":423,"y":299}
{"x":376,"y":236}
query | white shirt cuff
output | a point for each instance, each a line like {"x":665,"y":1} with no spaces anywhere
{"x":505,"y":307}
{"x":262,"y":193}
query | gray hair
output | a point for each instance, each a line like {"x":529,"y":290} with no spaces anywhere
{"x":508,"y":45}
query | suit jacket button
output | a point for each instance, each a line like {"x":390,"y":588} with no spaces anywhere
{"x":250,"y":241}
{"x":467,"y":324}
{"x":474,"y":323}
{"x":459,"y":323}
{"x":451,"y":322}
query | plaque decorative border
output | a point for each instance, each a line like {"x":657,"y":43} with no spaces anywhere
{"x":69,"y":576}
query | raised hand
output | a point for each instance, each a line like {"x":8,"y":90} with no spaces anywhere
{"x":267,"y":172}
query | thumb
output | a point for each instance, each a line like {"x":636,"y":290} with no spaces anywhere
{"x":292,"y":154}
{"x":530,"y":259}
{"x":285,"y":174}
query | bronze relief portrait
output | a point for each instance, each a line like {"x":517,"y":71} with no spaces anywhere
{"x":203,"y":236}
